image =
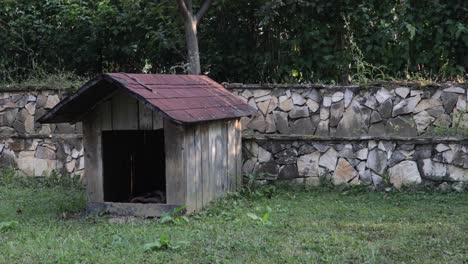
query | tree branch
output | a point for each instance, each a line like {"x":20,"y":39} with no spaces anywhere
{"x":183,"y":9}
{"x":202,"y":10}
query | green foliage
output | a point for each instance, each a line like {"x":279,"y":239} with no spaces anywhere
{"x":264,"y":220}
{"x":175,"y":217}
{"x":10,"y":177}
{"x":240,"y":40}
{"x":459,"y":126}
{"x":8,"y":225}
{"x":162,"y":244}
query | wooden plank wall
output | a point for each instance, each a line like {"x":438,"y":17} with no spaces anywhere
{"x":176,"y":180}
{"x":213,"y":161}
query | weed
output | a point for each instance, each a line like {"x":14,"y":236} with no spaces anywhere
{"x":175,"y":217}
{"x":162,"y":244}
{"x":264,"y":220}
{"x":8,"y":225}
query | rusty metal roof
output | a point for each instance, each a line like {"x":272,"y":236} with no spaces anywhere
{"x":182,"y":98}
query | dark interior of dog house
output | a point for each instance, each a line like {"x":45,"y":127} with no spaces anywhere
{"x":134,"y":166}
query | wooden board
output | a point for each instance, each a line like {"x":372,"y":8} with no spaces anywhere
{"x":145,"y":117}
{"x":158,"y":122}
{"x":124,"y":112}
{"x":238,"y":135}
{"x":131,"y":209}
{"x":104,"y":111}
{"x":231,"y":155}
{"x":93,"y":158}
{"x":205,"y":165}
{"x":176,"y":188}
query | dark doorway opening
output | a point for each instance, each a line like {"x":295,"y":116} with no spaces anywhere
{"x":134,"y":166}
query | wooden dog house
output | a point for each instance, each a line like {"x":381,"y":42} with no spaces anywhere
{"x":154,"y":142}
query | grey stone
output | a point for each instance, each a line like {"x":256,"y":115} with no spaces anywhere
{"x":246,"y":94}
{"x":258,"y":123}
{"x":263,"y":155}
{"x":320,"y":147}
{"x":432,"y":170}
{"x":326,"y":101}
{"x":427,"y":104}
{"x":362,"y":154}
{"x":41,"y":101}
{"x":377,"y":161}
{"x":287,"y":156}
{"x":298,"y":112}
{"x":259,"y":93}
{"x":406,"y":106}
{"x":329,"y":159}
{"x":315,"y":120}
{"x":365,"y":177}
{"x":422,"y":152}
{"x":267,"y":170}
{"x":348,"y":97}
{"x":287,"y":172}
{"x":9,"y":116}
{"x":416,"y":92}
{"x":403,"y":126}
{"x":22,"y":101}
{"x":455,"y":89}
{"x":263,"y":98}
{"x":19,"y":127}
{"x":252,"y":103}
{"x":308,"y":165}
{"x":336,"y":97}
{"x":302,"y":126}
{"x":313,"y":106}
{"x":263,"y":107}
{"x":322,"y":128}
{"x":402,"y":91}
{"x":442,"y":148}
{"x":443,"y":120}
{"x":396,"y":157}
{"x":344,"y":173}
{"x":44,"y":153}
{"x":423,"y":120}
{"x":324,"y":113}
{"x":355,"y":121}
{"x":306,"y":149}
{"x":436,"y":111}
{"x":336,"y":113}
{"x":6,"y":131}
{"x":2,"y":146}
{"x":32,"y":98}
{"x":298,"y":99}
{"x":457,"y":174}
{"x":270,"y":124}
{"x":281,"y":121}
{"x":31,"y":108}
{"x":377,"y":129}
{"x":406,"y":147}
{"x":377,"y":180}
{"x":458,"y":158}
{"x":52,"y":100}
{"x":386,"y":109}
{"x":404,"y":173}
{"x":65,"y":128}
{"x":347,"y":153}
{"x":449,"y":100}
{"x":287,"y":105}
{"x":314,"y":95}
{"x":371,"y":102}
{"x":383,"y":95}
{"x":375,"y":117}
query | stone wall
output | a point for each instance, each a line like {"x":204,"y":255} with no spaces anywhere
{"x":356,"y":135}
{"x":365,"y":135}
{"x":33,"y":148}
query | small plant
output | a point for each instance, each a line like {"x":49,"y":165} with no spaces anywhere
{"x":175,"y":217}
{"x":163,"y":244}
{"x":8,"y":225}
{"x":264,"y":220}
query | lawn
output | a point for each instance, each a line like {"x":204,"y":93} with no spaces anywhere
{"x":305,"y":225}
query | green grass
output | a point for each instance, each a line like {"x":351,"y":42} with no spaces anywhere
{"x":306,"y":225}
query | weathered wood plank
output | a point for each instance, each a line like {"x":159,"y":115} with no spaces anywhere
{"x":190,"y":168}
{"x":218,"y":155}
{"x":124,"y":112}
{"x":198,"y":172}
{"x":145,"y":117}
{"x":157,"y":121}
{"x":205,"y":165}
{"x":223,"y":167}
{"x":176,"y":180}
{"x":238,"y":135}
{"x":93,"y":173}
{"x":104,"y":111}
{"x":131,"y":209}
{"x":231,"y":155}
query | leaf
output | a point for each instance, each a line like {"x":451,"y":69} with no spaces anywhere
{"x":152,"y":246}
{"x":165,"y":219}
{"x":265,"y":217}
{"x":253,"y":216}
{"x":8,"y":225}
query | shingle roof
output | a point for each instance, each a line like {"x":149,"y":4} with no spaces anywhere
{"x":182,"y":98}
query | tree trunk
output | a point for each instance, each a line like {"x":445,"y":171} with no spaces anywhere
{"x":192,"y":46}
